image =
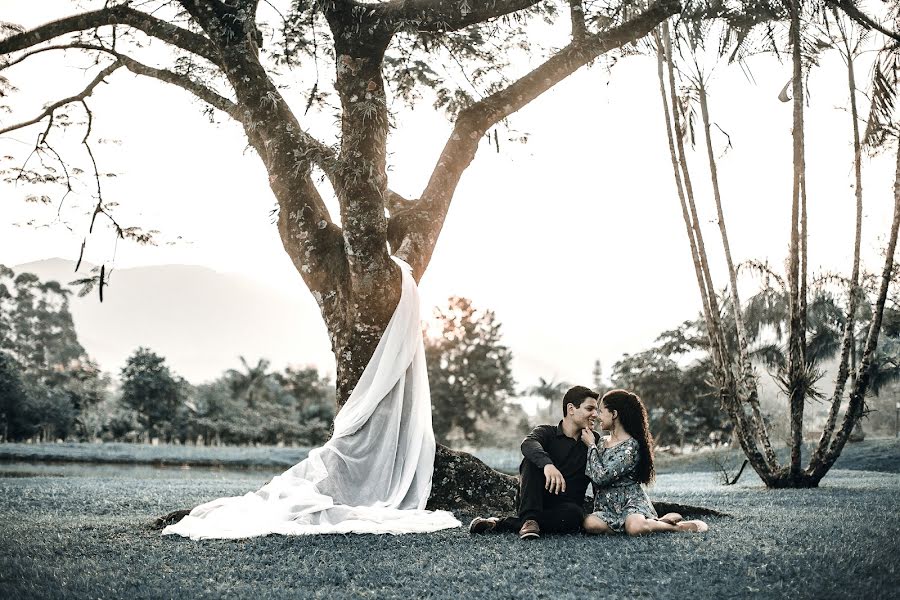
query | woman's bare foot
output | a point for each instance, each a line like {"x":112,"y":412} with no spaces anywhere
{"x":671,"y":518}
{"x":695,"y":526}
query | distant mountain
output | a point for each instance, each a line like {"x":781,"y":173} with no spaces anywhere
{"x":198,"y":319}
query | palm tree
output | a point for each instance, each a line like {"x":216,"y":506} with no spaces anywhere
{"x":718,"y":351}
{"x":250,"y":384}
{"x":551,"y":391}
{"x":804,"y":342}
{"x":693,"y":43}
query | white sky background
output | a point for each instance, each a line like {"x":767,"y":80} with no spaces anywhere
{"x":575,"y":238}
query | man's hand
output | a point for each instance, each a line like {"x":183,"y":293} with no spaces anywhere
{"x":555,"y":482}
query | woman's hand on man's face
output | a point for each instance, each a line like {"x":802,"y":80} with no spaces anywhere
{"x":587,"y":436}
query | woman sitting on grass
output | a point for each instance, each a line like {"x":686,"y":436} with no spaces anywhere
{"x":618,"y":468}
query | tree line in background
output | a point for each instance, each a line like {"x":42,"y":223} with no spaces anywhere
{"x":51,"y":389}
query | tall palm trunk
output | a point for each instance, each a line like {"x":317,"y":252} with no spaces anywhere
{"x":718,"y":350}
{"x":694,"y":223}
{"x":857,"y":394}
{"x":748,"y":387}
{"x":847,"y":362}
{"x":673,"y":153}
{"x":797,"y":379}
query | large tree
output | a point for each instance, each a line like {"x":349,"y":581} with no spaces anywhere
{"x":215,"y":55}
{"x":216,"y":45}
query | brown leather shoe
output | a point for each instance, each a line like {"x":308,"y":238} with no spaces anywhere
{"x":530,"y":530}
{"x":482,"y":524}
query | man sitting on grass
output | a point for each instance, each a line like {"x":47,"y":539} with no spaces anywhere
{"x":552,"y":480}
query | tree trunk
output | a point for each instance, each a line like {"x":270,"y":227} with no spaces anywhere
{"x":856,"y":405}
{"x":461,"y":482}
{"x":747,"y":387}
{"x":797,"y":379}
{"x":718,"y":351}
{"x":692,"y":222}
{"x":848,"y":344}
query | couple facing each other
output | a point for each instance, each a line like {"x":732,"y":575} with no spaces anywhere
{"x":559,"y":462}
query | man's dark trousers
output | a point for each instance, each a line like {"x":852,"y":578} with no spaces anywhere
{"x":555,"y":513}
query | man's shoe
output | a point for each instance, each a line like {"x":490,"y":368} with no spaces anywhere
{"x":530,"y":530}
{"x":482,"y":525}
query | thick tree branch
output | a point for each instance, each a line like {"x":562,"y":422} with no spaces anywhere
{"x":863,"y":19}
{"x":308,"y":233}
{"x":87,"y":91}
{"x":415,"y":231}
{"x":447,"y":15}
{"x":121,"y":15}
{"x":394,"y":202}
{"x":226,"y":25}
{"x":576,"y":12}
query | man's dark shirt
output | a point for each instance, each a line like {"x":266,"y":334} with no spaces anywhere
{"x":548,"y":444}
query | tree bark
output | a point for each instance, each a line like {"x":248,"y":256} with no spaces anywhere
{"x":857,"y":394}
{"x":797,"y":379}
{"x":721,"y":360}
{"x":461,"y":482}
{"x":847,"y":361}
{"x":747,"y":387}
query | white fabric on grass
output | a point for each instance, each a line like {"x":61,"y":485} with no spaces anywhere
{"x":372,"y":476}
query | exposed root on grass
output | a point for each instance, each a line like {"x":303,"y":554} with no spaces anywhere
{"x":169,"y":519}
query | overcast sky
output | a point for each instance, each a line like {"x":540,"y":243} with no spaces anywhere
{"x":574,"y":239}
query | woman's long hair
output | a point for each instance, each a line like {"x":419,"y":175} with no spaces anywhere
{"x":633,"y":417}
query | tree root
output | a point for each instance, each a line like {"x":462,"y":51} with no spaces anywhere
{"x":169,"y":519}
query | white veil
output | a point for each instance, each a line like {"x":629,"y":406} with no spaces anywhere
{"x":372,"y":476}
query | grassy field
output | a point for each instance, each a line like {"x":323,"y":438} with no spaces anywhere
{"x":81,"y":531}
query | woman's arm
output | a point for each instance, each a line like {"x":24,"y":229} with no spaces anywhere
{"x":608,"y":465}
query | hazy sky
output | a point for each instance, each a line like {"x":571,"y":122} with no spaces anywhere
{"x":574,"y":239}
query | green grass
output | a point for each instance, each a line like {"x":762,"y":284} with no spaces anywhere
{"x":81,"y":531}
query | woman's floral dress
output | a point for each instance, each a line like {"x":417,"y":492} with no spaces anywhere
{"x":617,"y":493}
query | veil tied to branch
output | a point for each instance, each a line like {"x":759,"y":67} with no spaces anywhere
{"x":372,"y":476}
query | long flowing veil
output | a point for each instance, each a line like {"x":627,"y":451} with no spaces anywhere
{"x":372,"y":476}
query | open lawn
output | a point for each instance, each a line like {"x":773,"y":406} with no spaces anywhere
{"x":81,"y":531}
